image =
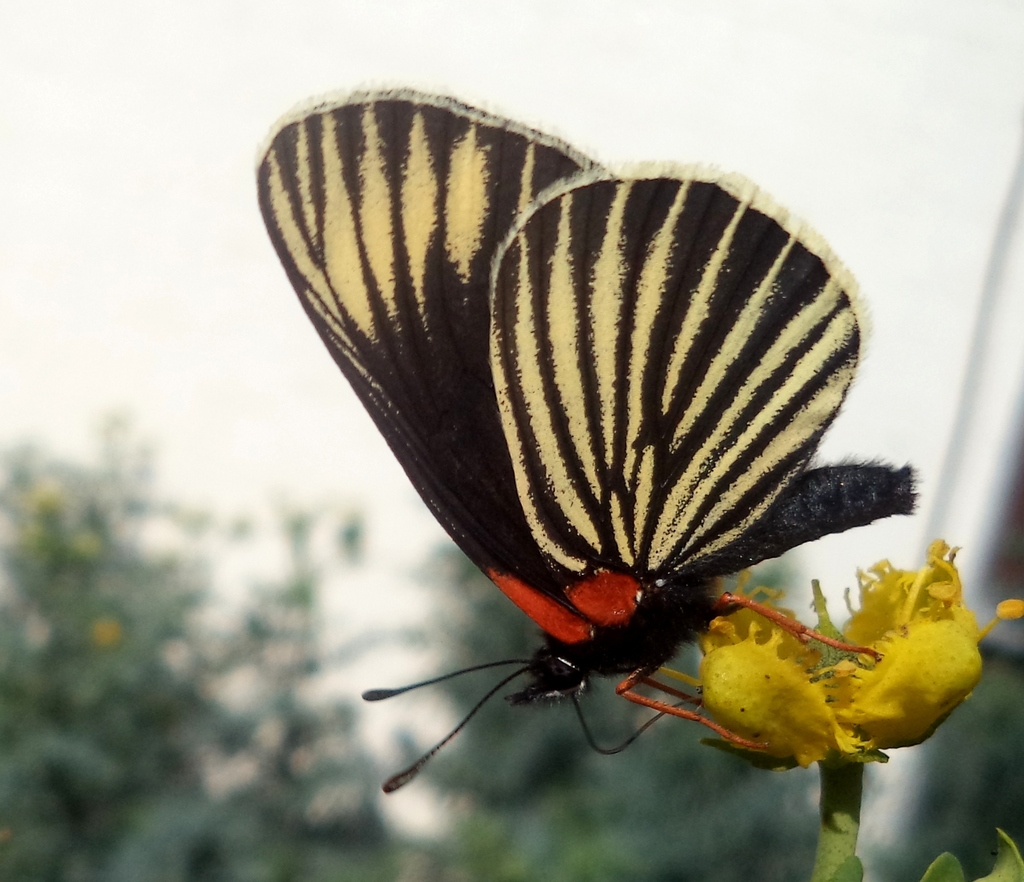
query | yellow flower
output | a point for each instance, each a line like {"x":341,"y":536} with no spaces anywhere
{"x":761,"y":682}
{"x":762,"y":687}
{"x":929,"y":644}
{"x":106,"y":633}
{"x":86,"y":544}
{"x":45,"y":497}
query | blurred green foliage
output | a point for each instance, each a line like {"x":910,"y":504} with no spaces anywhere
{"x":121,"y":757}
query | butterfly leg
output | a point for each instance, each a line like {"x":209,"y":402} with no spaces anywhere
{"x":641,"y":677}
{"x":729,"y":602}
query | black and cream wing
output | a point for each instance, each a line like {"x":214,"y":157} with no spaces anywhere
{"x":386,"y":210}
{"x":667,"y":353}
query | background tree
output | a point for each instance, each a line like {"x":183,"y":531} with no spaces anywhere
{"x":124,"y":754}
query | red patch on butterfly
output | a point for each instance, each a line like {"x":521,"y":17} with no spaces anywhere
{"x":604,"y":599}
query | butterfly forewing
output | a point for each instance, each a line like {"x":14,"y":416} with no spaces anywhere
{"x":667,"y":354}
{"x":386,"y":210}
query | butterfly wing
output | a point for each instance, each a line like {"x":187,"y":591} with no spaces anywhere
{"x":386,"y":210}
{"x":667,"y":354}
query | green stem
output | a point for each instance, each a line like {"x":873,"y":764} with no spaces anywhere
{"x":841,"y":788}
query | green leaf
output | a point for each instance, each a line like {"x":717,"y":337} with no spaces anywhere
{"x":945,"y":868}
{"x":1009,"y":867}
{"x":850,"y":870}
{"x":825,"y":625}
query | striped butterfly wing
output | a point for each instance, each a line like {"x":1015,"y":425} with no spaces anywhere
{"x":667,"y":354}
{"x":386,"y":211}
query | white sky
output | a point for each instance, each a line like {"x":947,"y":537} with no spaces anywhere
{"x":135,"y":273}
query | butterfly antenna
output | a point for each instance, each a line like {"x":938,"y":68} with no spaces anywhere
{"x":403,"y":778}
{"x":381,"y":694}
{"x":610,"y":751}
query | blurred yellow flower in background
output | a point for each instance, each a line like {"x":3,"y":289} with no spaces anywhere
{"x":106,"y":633}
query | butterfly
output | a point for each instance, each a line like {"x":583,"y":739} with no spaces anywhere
{"x":608,"y":389}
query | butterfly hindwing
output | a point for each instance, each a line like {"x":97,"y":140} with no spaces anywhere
{"x":667,"y":355}
{"x":386,"y":210}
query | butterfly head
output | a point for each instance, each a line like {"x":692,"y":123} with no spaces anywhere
{"x":555,"y":675}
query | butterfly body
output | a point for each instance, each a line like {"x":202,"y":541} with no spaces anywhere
{"x":667,"y":615}
{"x":608,"y":389}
